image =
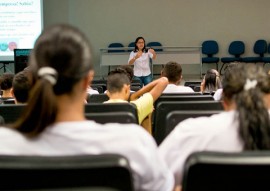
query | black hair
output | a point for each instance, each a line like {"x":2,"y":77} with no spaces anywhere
{"x":212,"y":81}
{"x":21,"y":86}
{"x":117,"y":79}
{"x":173,"y":71}
{"x":6,"y":81}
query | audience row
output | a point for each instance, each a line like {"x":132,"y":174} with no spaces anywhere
{"x":53,"y":122}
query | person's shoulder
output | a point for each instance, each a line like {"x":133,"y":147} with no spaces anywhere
{"x":211,"y":124}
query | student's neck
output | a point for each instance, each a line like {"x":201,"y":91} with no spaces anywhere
{"x":117,"y":96}
{"x":69,"y":109}
{"x":6,"y":93}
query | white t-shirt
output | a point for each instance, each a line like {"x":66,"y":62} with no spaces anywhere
{"x":141,"y":65}
{"x":91,"y":91}
{"x":218,"y":132}
{"x":172,"y":88}
{"x":218,"y":95}
{"x":87,"y":137}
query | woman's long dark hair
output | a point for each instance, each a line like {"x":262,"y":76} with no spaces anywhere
{"x":247,"y":85}
{"x":66,"y":50}
{"x":136,"y":49}
{"x":212,"y":81}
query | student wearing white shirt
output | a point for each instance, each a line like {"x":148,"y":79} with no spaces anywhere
{"x":244,"y":125}
{"x":173,"y":71}
{"x":54,"y":124}
{"x":140,"y":58}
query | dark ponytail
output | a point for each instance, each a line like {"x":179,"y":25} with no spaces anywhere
{"x":247,"y":85}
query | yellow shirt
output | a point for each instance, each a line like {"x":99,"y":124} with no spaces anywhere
{"x":144,"y":105}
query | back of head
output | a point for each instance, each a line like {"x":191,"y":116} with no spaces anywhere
{"x":247,"y":85}
{"x":116,"y":80}
{"x":21,"y":86}
{"x":6,"y":81}
{"x":212,"y":81}
{"x":129,"y":71}
{"x":60,"y":59}
{"x":173,"y":71}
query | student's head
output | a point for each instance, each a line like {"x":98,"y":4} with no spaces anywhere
{"x":129,"y":71}
{"x":212,"y":81}
{"x":6,"y":81}
{"x":118,"y":82}
{"x":21,"y":86}
{"x":60,"y":63}
{"x":140,"y":44}
{"x":247,"y":88}
{"x":173,"y":71}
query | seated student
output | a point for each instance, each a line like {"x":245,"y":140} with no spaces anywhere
{"x":211,"y":82}
{"x":218,"y":94}
{"x":54,"y":124}
{"x":173,"y":71}
{"x":118,"y":86}
{"x":244,"y":125}
{"x":21,"y":86}
{"x":6,"y":84}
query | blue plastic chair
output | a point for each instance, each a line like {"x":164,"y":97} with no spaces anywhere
{"x":260,"y":48}
{"x":210,"y":48}
{"x":155,"y":44}
{"x":131,"y":45}
{"x":236,"y":48}
{"x":116,"y":45}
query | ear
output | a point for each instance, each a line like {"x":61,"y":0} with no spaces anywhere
{"x":88,"y":79}
{"x":126,"y":90}
{"x":162,"y":73}
{"x":12,"y":92}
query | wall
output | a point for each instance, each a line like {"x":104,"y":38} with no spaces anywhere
{"x":172,"y":22}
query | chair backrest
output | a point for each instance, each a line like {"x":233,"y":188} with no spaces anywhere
{"x":155,"y":46}
{"x":88,"y":172}
{"x":113,"y":117}
{"x":214,"y":171}
{"x":94,"y":108}
{"x":131,"y":46}
{"x":175,"y":117}
{"x":195,"y":96}
{"x":210,"y":47}
{"x":115,"y":47}
{"x":11,"y":112}
{"x":165,"y":107}
{"x":260,"y":47}
{"x":97,"y":98}
{"x":192,"y":84}
{"x":237,"y":48}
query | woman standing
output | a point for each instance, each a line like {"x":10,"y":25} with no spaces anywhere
{"x":140,"y":57}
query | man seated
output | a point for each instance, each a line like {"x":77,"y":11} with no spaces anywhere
{"x":6,"y":85}
{"x":21,"y":86}
{"x":118,"y":90}
{"x":173,"y":71}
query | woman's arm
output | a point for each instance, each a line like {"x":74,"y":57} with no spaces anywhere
{"x":155,"y":88}
{"x":153,"y":52}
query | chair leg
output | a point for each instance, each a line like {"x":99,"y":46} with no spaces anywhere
{"x":217,"y":66}
{"x":221,"y":68}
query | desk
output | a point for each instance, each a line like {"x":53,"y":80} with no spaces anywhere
{"x":183,"y":55}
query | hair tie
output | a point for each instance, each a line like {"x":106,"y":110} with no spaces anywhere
{"x":49,"y":74}
{"x":250,"y":84}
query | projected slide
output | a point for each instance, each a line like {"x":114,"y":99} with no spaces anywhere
{"x":20,"y":25}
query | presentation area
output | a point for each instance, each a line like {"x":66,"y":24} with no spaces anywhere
{"x":21,"y":22}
